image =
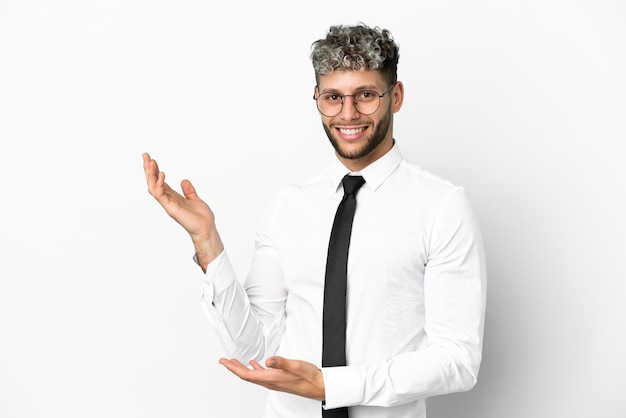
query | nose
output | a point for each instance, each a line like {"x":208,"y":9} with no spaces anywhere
{"x":348,"y":110}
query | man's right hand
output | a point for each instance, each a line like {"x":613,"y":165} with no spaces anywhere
{"x":191,"y":212}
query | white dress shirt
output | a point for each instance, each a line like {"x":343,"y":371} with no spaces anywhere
{"x":416,"y":291}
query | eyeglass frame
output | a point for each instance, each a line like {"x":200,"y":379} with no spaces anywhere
{"x":380,"y":96}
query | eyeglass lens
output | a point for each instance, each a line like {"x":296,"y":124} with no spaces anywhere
{"x":366,"y":102}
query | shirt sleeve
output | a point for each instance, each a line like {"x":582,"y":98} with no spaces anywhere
{"x":455,"y":298}
{"x":249,"y":317}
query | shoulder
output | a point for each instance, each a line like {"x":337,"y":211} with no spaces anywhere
{"x":318,"y":182}
{"x":318,"y":185}
{"x":415,"y":179}
{"x":435,"y":198}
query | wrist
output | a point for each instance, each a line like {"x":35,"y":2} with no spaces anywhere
{"x":207,"y":247}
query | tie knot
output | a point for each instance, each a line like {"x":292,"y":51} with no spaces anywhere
{"x":352,"y":184}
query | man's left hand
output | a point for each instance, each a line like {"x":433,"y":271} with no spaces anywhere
{"x":292,"y":376}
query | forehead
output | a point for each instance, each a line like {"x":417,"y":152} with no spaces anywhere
{"x":350,"y":80}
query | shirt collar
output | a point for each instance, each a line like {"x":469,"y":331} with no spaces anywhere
{"x":374,"y":174}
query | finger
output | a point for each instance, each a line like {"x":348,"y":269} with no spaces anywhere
{"x":238,"y":363}
{"x":146,"y":165}
{"x":277,"y":362}
{"x":151,"y":169}
{"x":256,"y":366}
{"x":232,"y":364}
{"x":188,"y":190}
{"x":146,"y":158}
{"x":160,"y":181}
{"x":237,"y":368}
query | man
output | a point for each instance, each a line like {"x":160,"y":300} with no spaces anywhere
{"x":416,"y":280}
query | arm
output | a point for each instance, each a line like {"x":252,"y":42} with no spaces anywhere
{"x":455,"y":297}
{"x":248,"y":317}
{"x":246,"y":328}
{"x":250,"y":330}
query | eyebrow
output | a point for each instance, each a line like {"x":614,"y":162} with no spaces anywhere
{"x":360,"y":88}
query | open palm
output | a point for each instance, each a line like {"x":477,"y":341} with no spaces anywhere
{"x":191,"y":212}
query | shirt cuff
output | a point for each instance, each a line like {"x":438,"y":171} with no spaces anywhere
{"x":344,"y":386}
{"x":219,"y":274}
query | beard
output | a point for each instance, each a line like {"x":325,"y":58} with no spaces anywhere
{"x":375,"y":139}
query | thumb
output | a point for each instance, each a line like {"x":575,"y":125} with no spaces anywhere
{"x":276,"y":362}
{"x":188,"y":190}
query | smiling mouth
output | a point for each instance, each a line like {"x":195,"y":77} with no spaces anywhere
{"x":351,"y":131}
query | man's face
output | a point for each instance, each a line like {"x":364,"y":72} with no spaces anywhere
{"x":360,"y":139}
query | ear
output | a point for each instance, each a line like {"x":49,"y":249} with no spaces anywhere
{"x":315,"y":91}
{"x":397,"y":97}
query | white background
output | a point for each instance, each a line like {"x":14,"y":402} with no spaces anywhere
{"x":521,"y":102}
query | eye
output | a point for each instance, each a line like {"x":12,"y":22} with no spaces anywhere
{"x":331,"y":98}
{"x":366,"y":95}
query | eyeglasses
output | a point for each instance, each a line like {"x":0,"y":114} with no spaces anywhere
{"x":366,"y":102}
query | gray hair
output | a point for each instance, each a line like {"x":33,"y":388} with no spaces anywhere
{"x":357,"y":48}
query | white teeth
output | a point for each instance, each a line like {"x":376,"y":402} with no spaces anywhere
{"x":352,"y":131}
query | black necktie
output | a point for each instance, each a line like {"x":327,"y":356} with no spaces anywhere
{"x":334,"y":317}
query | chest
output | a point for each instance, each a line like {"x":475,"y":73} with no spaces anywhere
{"x":388,"y":247}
